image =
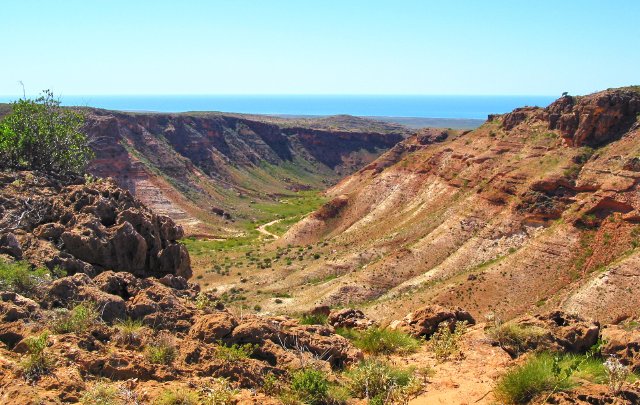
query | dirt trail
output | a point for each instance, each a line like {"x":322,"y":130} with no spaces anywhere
{"x":467,"y":381}
{"x":263,"y":229}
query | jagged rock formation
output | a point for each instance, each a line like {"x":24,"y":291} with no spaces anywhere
{"x":536,"y":210}
{"x":86,"y":228}
{"x":166,"y":307}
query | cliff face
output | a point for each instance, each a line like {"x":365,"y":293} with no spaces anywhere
{"x":538,"y":208}
{"x":185,"y":165}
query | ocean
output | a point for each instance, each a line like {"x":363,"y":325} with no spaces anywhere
{"x":466,"y":107}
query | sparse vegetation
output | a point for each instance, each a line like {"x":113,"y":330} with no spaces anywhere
{"x":235,"y":352}
{"x":129,"y":330}
{"x":446,"y":343}
{"x":21,"y":277}
{"x":219,"y":392}
{"x":38,"y":361}
{"x":516,"y":339}
{"x":525,"y":382}
{"x":309,"y":385}
{"x":313,"y":319}
{"x":162,"y":350}
{"x":101,"y":393}
{"x":377,"y":340}
{"x":617,"y":374}
{"x":182,"y":396}
{"x":77,"y":320}
{"x":546,"y":373}
{"x":381,"y":383}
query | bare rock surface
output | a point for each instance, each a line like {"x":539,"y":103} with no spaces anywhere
{"x":86,"y":228}
{"x":425,"y":321}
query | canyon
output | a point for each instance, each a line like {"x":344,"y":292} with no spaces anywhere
{"x":243,"y":259}
{"x":209,"y":171}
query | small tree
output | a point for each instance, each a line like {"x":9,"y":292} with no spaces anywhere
{"x":41,"y":135}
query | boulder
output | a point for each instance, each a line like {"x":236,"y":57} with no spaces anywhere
{"x":9,"y":245}
{"x":212,"y":328}
{"x":425,"y":321}
{"x":624,"y":343}
{"x":427,"y":136}
{"x":67,"y":291}
{"x":14,"y":307}
{"x":160,"y":307}
{"x":319,"y":341}
{"x":349,"y":318}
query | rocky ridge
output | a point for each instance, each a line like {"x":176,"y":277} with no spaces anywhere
{"x":536,"y":209}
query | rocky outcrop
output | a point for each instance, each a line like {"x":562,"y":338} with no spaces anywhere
{"x":198,"y":344}
{"x":427,"y":136}
{"x":560,"y":331}
{"x":425,"y":321}
{"x":349,"y":318}
{"x":592,"y":120}
{"x":624,"y":343}
{"x":87,"y":228}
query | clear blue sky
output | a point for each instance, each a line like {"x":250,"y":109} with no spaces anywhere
{"x":319,"y":47}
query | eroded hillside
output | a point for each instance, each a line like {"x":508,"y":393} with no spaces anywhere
{"x":536,"y":209}
{"x":211,"y":171}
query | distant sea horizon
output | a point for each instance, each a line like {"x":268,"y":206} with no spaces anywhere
{"x":419,"y":106}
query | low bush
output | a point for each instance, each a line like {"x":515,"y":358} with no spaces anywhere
{"x":549,"y":373}
{"x":178,"y":397}
{"x":310,"y":386}
{"x":101,"y":393}
{"x":77,"y":320}
{"x":41,"y":135}
{"x":445,"y":343}
{"x":517,"y":339}
{"x":313,"y":319}
{"x":235,"y":351}
{"x":129,"y":330}
{"x":21,"y":277}
{"x":381,"y":383}
{"x":38,"y":361}
{"x":161,"y":351}
{"x":617,"y":374}
{"x":527,"y":381}
{"x":377,"y":340}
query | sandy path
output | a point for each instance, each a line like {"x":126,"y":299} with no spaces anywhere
{"x":467,"y":381}
{"x":262,"y":229}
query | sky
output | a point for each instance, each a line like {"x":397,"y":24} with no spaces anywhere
{"x":490,"y":47}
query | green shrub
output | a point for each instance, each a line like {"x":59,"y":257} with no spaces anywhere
{"x":161,"y":351}
{"x":41,"y":135}
{"x":380,"y":382}
{"x":349,"y":333}
{"x":310,"y":386}
{"x":129,"y":330}
{"x":101,"y":393}
{"x":178,"y":397}
{"x":235,"y":351}
{"x":38,"y":362}
{"x":540,"y":373}
{"x":517,"y":339}
{"x":313,"y":319}
{"x":377,"y":340}
{"x":445,"y":343}
{"x":79,"y":319}
{"x":21,"y":277}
